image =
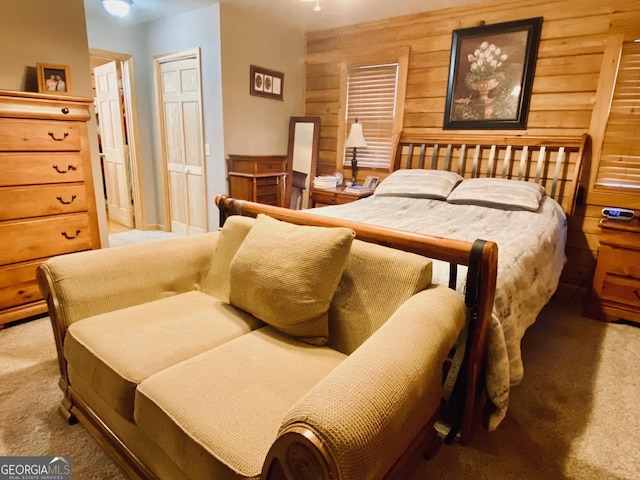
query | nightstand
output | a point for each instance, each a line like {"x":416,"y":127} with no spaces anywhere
{"x":321,"y":197}
{"x":615,"y":293}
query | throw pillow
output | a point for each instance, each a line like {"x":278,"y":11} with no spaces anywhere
{"x":286,"y":275}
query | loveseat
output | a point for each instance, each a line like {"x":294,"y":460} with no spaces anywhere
{"x":263,"y":350}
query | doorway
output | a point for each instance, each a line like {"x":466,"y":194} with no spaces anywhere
{"x":179,"y":100}
{"x":114,"y":97}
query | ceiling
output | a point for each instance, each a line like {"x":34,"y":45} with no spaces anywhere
{"x":295,"y":13}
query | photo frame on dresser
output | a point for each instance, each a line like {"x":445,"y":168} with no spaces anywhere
{"x":53,"y":78}
{"x":266,"y":83}
{"x":491,"y":72}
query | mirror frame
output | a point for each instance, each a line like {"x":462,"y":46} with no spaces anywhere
{"x":315,"y":150}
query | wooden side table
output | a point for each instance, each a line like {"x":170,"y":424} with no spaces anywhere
{"x":258,"y":178}
{"x":615,"y":292}
{"x":321,"y":197}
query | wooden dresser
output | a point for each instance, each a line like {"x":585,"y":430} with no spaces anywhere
{"x":47,"y":201}
{"x":258,"y":178}
{"x":615,"y":293}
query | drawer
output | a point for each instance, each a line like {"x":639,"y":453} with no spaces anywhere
{"x":268,"y":189}
{"x":270,"y":166}
{"x":268,"y":199}
{"x":623,"y":290}
{"x":41,"y":201}
{"x":620,"y":261}
{"x":46,"y":237}
{"x":18,"y":135}
{"x":18,"y":285}
{"x":266,"y":181}
{"x":39,"y":168}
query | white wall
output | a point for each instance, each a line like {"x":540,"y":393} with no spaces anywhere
{"x":45,"y":31}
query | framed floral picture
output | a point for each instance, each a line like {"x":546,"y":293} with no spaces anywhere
{"x":491,"y":72}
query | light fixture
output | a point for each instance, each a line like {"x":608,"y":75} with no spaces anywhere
{"x":355,"y":140}
{"x":118,"y":8}
{"x":317,"y":7}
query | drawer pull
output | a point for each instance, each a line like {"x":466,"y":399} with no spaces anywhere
{"x":59,"y":198}
{"x":65,"y":111}
{"x":68,"y":237}
{"x":58,"y":139}
{"x":69,"y":167}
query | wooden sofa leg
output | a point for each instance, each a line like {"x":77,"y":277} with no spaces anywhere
{"x":433,"y":444}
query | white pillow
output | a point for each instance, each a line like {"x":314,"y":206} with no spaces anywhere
{"x":418,"y":183}
{"x":498,"y":193}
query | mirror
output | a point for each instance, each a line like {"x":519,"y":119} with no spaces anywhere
{"x":302,"y":158}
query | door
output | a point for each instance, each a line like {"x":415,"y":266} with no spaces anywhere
{"x":180,"y":91}
{"x":112,"y":138}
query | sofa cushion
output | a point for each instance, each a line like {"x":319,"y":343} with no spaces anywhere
{"x":286,"y":275}
{"x":376,"y":281}
{"x":229,"y":401}
{"x":116,"y":351}
{"x":232,"y":235}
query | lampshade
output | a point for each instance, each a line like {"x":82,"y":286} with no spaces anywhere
{"x":356,"y":138}
{"x":118,"y":8}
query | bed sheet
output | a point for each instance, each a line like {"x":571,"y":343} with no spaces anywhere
{"x":531,"y":255}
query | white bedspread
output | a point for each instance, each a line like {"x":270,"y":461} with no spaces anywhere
{"x":531,"y":256}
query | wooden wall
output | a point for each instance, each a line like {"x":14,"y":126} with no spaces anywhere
{"x":570,"y":59}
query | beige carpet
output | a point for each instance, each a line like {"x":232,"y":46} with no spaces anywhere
{"x":575,"y":416}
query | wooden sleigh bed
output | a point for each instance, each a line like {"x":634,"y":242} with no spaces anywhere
{"x":401,"y":213}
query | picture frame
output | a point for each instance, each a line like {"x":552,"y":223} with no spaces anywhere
{"x":371,"y":182}
{"x":266,"y":83}
{"x":53,"y":78}
{"x":491,"y":71}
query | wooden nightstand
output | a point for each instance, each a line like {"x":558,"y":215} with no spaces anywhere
{"x":615,"y":293}
{"x":321,"y":197}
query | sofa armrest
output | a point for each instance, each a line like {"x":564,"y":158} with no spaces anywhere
{"x":84,"y":284}
{"x":366,"y":413}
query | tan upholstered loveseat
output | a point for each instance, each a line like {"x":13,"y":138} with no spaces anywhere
{"x":162,"y":365}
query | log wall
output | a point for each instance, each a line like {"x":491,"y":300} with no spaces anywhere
{"x":571,"y":60}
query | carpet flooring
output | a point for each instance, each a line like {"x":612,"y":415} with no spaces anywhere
{"x":574,"y":416}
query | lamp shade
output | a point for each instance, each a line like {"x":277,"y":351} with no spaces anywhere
{"x":355,"y":138}
{"x":118,"y":8}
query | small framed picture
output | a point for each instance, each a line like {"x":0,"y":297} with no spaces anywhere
{"x":266,"y":83}
{"x":53,"y":78}
{"x":371,"y":182}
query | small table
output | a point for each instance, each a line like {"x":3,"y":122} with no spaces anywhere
{"x":615,"y":292}
{"x":321,"y":197}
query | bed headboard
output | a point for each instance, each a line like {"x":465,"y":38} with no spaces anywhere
{"x":554,"y":162}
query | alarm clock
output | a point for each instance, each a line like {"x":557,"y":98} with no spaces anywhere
{"x":617,"y":213}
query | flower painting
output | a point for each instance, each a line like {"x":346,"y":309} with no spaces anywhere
{"x":490,"y":75}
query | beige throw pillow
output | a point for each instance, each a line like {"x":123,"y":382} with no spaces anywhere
{"x":286,"y":275}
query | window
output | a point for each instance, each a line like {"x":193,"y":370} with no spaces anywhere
{"x":371,"y":99}
{"x":619,"y":167}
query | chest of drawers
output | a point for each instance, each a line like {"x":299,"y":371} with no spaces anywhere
{"x":258,"y":178}
{"x":47,"y":202}
{"x":615,"y":292}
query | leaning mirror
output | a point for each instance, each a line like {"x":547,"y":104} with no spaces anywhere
{"x":302,"y":158}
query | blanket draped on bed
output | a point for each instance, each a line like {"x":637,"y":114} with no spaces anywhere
{"x":531,"y":255}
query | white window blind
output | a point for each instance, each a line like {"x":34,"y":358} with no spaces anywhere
{"x":619,"y":166}
{"x":371,"y":98}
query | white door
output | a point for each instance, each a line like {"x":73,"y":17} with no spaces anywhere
{"x":183,"y":143}
{"x":114,"y":150}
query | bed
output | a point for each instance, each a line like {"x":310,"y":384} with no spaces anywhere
{"x":516,"y":192}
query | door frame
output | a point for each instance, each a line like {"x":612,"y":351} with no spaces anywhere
{"x":131,"y":111}
{"x":157,"y":61}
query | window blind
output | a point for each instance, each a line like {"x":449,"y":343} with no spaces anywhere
{"x":619,"y":166}
{"x":371,"y":98}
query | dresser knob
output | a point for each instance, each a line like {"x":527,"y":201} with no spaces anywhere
{"x":59,"y":198}
{"x":65,"y":110}
{"x":59,"y":139}
{"x":69,"y":167}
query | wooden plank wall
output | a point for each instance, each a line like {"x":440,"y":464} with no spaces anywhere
{"x":570,"y":59}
